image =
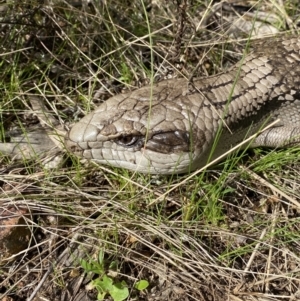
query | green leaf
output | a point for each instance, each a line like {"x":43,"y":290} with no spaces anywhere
{"x":97,"y":283}
{"x":119,"y":292}
{"x":101,"y":296}
{"x":88,"y":266}
{"x":85,"y":265}
{"x":107,"y":283}
{"x":101,"y":257}
{"x":141,"y":285}
{"x":113,"y":266}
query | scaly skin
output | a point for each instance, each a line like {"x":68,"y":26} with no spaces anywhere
{"x":172,"y":126}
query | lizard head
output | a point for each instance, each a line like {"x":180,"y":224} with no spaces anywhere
{"x":132,"y":132}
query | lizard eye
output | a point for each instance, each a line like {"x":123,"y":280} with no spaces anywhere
{"x":127,"y":140}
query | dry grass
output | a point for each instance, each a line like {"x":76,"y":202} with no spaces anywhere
{"x":229,"y":233}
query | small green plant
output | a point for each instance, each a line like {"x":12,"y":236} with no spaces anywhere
{"x":105,"y":284}
{"x":141,"y":285}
